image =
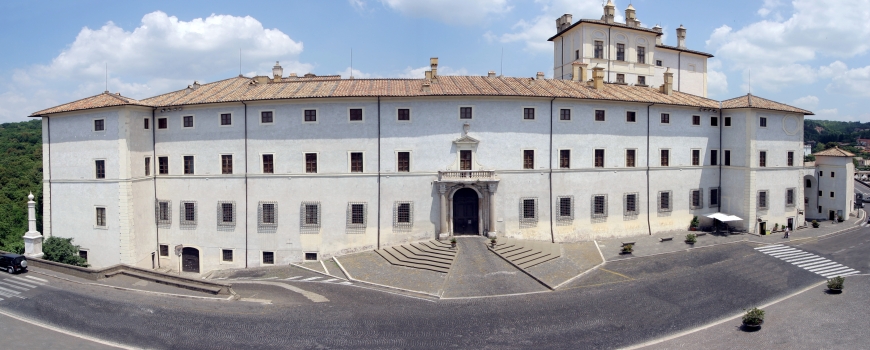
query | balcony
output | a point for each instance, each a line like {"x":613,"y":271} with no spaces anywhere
{"x":467,"y":175}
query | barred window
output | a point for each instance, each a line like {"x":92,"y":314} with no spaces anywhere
{"x":789,"y":197}
{"x":528,"y":212}
{"x":528,"y":113}
{"x":163,"y":165}
{"x":266,"y":117}
{"x":403,"y":216}
{"x":356,"y":217}
{"x":564,"y":114}
{"x":565,"y":159}
{"x":696,"y":120}
{"x":403,"y":114}
{"x":631,"y":116}
{"x":762,"y":199}
{"x":188,"y":165}
{"x":268,"y":164}
{"x":267,"y":217}
{"x":696,"y":199}
{"x":99,"y":124}
{"x":227,"y":255}
{"x":696,"y":157}
{"x":665,"y":201}
{"x":355,"y":114}
{"x":310,"y":213}
{"x":164,"y":250}
{"x":268,"y":258}
{"x":101,"y":217}
{"x":162,"y":213}
{"x":666,"y":118}
{"x":762,"y":159}
{"x":101,"y":169}
{"x":403,"y":162}
{"x":226,"y":164}
{"x":356,"y":162}
{"x":630,"y":200}
{"x":187,"y":215}
{"x":464,"y":112}
{"x":599,"y":206}
{"x":665,"y":157}
{"x":599,"y":115}
{"x":630,"y":158}
{"x":714,"y":197}
{"x":310,"y":115}
{"x":187,"y":121}
{"x":565,"y":206}
{"x":226,"y":214}
{"x":226,"y":119}
{"x":599,"y":158}
{"x":311,"y":163}
{"x":147,"y":166}
{"x":528,"y":159}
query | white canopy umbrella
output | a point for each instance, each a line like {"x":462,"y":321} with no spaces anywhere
{"x":724,"y":217}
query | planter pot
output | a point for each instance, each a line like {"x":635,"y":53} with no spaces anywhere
{"x":624,"y":252}
{"x":752,"y":327}
{"x":690,"y":242}
{"x":693,"y":228}
{"x":835,"y":291}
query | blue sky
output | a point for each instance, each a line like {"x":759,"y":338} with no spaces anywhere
{"x":813,"y":54}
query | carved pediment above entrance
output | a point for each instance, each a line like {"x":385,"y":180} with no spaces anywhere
{"x":466,"y":140}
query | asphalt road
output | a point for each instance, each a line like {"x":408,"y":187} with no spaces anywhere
{"x":627,"y":302}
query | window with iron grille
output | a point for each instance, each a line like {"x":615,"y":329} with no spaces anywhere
{"x":564,"y":114}
{"x":696,"y":157}
{"x":163,"y":165}
{"x":599,"y":158}
{"x":267,"y":217}
{"x":641,"y":80}
{"x":226,"y":164}
{"x":188,"y":165}
{"x":714,"y":157}
{"x":599,"y":206}
{"x":790,"y":158}
{"x":630,"y":158}
{"x":696,"y":199}
{"x":714,"y":197}
{"x":266,"y":117}
{"x":465,"y":160}
{"x":565,"y":159}
{"x":187,"y":216}
{"x":620,"y":52}
{"x":762,"y":199}
{"x":565,"y":205}
{"x":528,"y":159}
{"x":630,"y":202}
{"x":714,"y":121}
{"x":187,"y":121}
{"x":465,"y":113}
{"x":403,"y":216}
{"x":762,"y":159}
{"x":727,"y":121}
{"x":268,"y":164}
{"x":789,"y":197}
{"x":226,"y":215}
{"x":665,"y":201}
{"x":101,"y":169}
{"x":403,"y":162}
{"x":356,"y":162}
{"x":356,"y":217}
{"x":226,"y":119}
{"x":162,"y":123}
{"x":528,"y":212}
{"x":631,"y":116}
{"x":227,"y":255}
{"x":147,"y":166}
{"x":162,"y":213}
{"x":726,"y":158}
{"x":641,"y":54}
{"x":309,"y":215}
{"x":696,"y":120}
{"x":99,"y":124}
{"x":599,"y":49}
{"x":101,"y":217}
{"x":268,"y":258}
{"x":599,"y":115}
{"x":147,"y":123}
{"x":355,"y":114}
{"x":666,"y":118}
{"x":311,"y":163}
{"x":310,"y":115}
{"x":403,"y":114}
{"x":164,"y":250}
{"x":762,"y":122}
{"x":665,"y":157}
{"x":620,"y":78}
{"x":528,"y":113}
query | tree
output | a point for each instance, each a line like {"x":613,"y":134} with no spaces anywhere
{"x":62,"y":250}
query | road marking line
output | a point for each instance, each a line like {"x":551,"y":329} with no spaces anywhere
{"x":615,"y":273}
{"x":838,"y":273}
{"x":790,"y":255}
{"x":317,"y":298}
{"x":9,"y":291}
{"x":769,"y":246}
{"x":292,"y":278}
{"x":802,"y":259}
{"x":330,"y":280}
{"x":36,"y":278}
{"x":821,"y":267}
{"x":268,"y":278}
{"x":841,"y":269}
{"x":25,"y":280}
{"x":811,"y":264}
{"x":828,"y":269}
{"x":70,"y":333}
{"x":14,"y":286}
{"x":310,"y":278}
{"x":767,"y":250}
{"x":346,"y":283}
{"x":844,"y":274}
{"x":19,"y":283}
{"x":784,"y":252}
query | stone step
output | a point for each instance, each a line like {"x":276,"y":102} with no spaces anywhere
{"x":442,"y":251}
{"x":392,"y":260}
{"x":399,"y":255}
{"x":435,"y":245}
{"x":423,"y":251}
{"x":414,"y":255}
{"x":536,"y":261}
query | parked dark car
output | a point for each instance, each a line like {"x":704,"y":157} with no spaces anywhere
{"x":13,"y":263}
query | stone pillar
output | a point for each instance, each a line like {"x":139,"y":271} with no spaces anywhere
{"x":445,"y":232}
{"x":32,"y":239}
{"x":492,"y":216}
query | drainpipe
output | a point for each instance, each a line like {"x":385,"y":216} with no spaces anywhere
{"x":379,"y":173}
{"x":154,"y":180}
{"x":679,"y":68}
{"x":246,"y":183}
{"x":552,"y":235}
{"x":50,"y":203}
{"x":608,"y":52}
{"x":648,"y":220}
{"x":562,"y":60}
{"x":719,"y":155}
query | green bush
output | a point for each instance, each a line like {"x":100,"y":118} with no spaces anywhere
{"x":836,"y":283}
{"x":691,"y":238}
{"x":753,"y":317}
{"x":839,"y":218}
{"x":694,"y":222}
{"x":62,"y":250}
{"x":815,"y":224}
{"x":628,"y":248}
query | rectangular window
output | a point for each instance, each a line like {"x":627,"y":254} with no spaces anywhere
{"x":189,"y":212}
{"x":696,"y":157}
{"x":267,"y":215}
{"x":599,"y":206}
{"x":227,"y":255}
{"x":226,"y":119}
{"x":266,"y":117}
{"x":227,"y":213}
{"x":762,"y":122}
{"x":164,"y":250}
{"x":311,"y":214}
{"x":268,"y":258}
{"x":727,"y":158}
{"x":565,"y":207}
{"x":789,"y":197}
{"x":187,"y":121}
{"x":714,"y":157}
{"x":356,"y":162}
{"x":714,"y":121}
{"x":695,"y":200}
{"x":714,"y":197}
{"x":357,"y":214}
{"x":832,"y":194}
{"x":403,"y":162}
{"x":630,"y":205}
{"x":630,"y":158}
{"x":641,"y":80}
{"x":631,"y":116}
{"x":99,"y":124}
{"x":404,"y":114}
{"x":762,"y":159}
{"x":599,"y":115}
{"x":226,"y":164}
{"x":355,"y":114}
{"x":762,"y":199}
{"x":620,"y":52}
{"x":528,"y":159}
{"x":564,"y":114}
{"x":665,"y":157}
{"x":465,"y":113}
{"x":727,"y":121}
{"x":83,"y":254}
{"x":163,"y":214}
{"x":620,"y":78}
{"x":696,"y":120}
{"x":641,"y":54}
{"x":528,"y":113}
{"x":665,"y":201}
{"x":310,"y":115}
{"x":188,"y":165}
{"x":268,"y":164}
{"x":101,"y":169}
{"x":820,"y":193}
{"x":530,"y":210}
{"x":311,"y":163}
{"x":163,"y":165}
{"x":465,"y":160}
{"x":147,"y":166}
{"x":147,"y":123}
{"x":832,"y":174}
{"x":599,"y":49}
{"x":565,"y":159}
{"x":162,"y":123}
{"x":310,"y":257}
{"x":658,"y":63}
{"x":101,"y":217}
{"x":599,"y":158}
{"x":576,"y":54}
{"x":666,"y":118}
{"x":403,"y":213}
{"x":790,"y":158}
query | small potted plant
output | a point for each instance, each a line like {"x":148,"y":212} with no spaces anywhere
{"x":835,"y":285}
{"x":691,"y":238}
{"x":492,"y":241}
{"x":753,"y":319}
{"x":815,"y":224}
{"x":693,"y":226}
{"x":775,"y":227}
{"x":839,"y":218}
{"x":627,"y":249}
{"x":453,"y":242}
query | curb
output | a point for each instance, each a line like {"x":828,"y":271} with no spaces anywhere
{"x":233,"y":295}
{"x":521,"y":269}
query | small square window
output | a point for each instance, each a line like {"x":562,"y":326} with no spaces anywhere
{"x":268,"y":258}
{"x":403,"y":114}
{"x":227,"y":255}
{"x":620,"y":78}
{"x":266,"y":117}
{"x":658,"y":63}
{"x":631,"y":116}
{"x":355,"y":114}
{"x":162,"y":123}
{"x":714,"y":121}
{"x":696,"y":120}
{"x":641,"y":80}
{"x":727,"y":121}
{"x":357,"y":214}
{"x":528,"y":113}
{"x":762,"y":122}
{"x":599,"y":115}
{"x":310,"y":256}
{"x":666,"y":118}
{"x":310,"y":115}
{"x":99,"y":124}
{"x":187,"y":121}
{"x":147,"y":123}
{"x":226,"y":119}
{"x":564,"y":114}
{"x":164,"y":250}
{"x":465,"y":113}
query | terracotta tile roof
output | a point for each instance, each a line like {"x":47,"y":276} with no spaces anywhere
{"x":834,"y":152}
{"x":105,"y":99}
{"x":684,"y":50}
{"x":601,"y":22}
{"x":751,"y":101}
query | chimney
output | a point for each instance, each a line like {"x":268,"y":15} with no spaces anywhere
{"x":426,"y":87}
{"x":609,"y":12}
{"x":681,"y":37}
{"x":490,"y":74}
{"x":598,"y":78}
{"x":563,"y":22}
{"x":539,"y":76}
{"x":428,"y":74}
{"x":630,"y":16}
{"x":433,"y":63}
{"x":579,"y":71}
{"x":668,"y":87}
{"x":277,"y":72}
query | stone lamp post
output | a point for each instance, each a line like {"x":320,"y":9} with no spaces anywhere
{"x":32,"y":239}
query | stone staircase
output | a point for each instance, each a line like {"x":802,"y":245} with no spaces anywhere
{"x":525,"y":254}
{"x":429,"y":255}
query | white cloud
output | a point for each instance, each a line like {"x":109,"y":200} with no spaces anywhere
{"x":807,"y":102}
{"x":717,"y":81}
{"x":847,"y":81}
{"x":463,"y":12}
{"x":534,"y":32}
{"x":162,"y":54}
{"x":358,"y":4}
{"x":768,"y":7}
{"x":357,"y":74}
{"x":419,"y":73}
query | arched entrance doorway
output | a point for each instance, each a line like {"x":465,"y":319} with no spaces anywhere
{"x":190,"y":259}
{"x":466,"y":214}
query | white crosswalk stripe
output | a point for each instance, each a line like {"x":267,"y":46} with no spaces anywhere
{"x":10,"y":285}
{"x":331,"y":280}
{"x":293,"y":278}
{"x":36,"y":279}
{"x":310,"y":278}
{"x":807,"y":261}
{"x":20,"y":283}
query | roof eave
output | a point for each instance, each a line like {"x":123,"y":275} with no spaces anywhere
{"x":603,"y":24}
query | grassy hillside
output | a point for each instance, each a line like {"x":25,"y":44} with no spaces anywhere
{"x":824,"y":131}
{"x":20,"y":173}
